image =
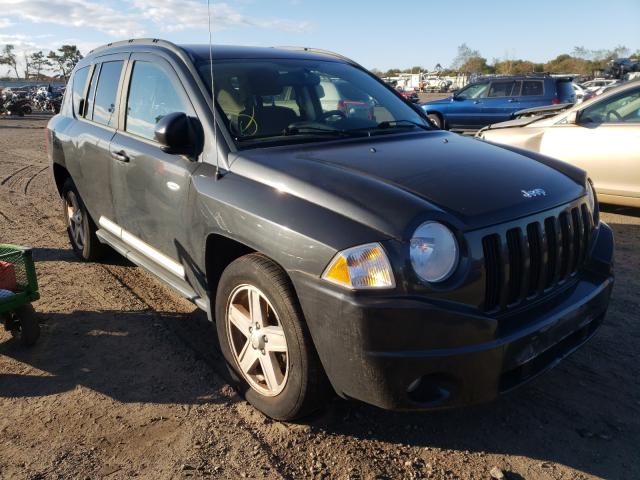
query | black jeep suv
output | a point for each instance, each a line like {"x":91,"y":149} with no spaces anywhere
{"x":337,"y":248}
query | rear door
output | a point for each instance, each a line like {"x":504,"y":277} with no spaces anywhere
{"x":499,"y":104}
{"x":532,"y":94}
{"x":150,"y":186}
{"x":97,"y":114}
{"x":465,"y":110}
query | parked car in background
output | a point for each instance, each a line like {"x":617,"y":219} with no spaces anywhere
{"x":435,"y":84}
{"x":344,"y":97}
{"x":387,"y":261}
{"x":601,"y":135}
{"x":620,"y":67}
{"x":410,"y":95}
{"x":579,"y":91}
{"x":597,"y":83}
{"x":494,"y":100}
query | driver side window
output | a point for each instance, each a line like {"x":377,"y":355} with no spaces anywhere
{"x":623,"y":108}
{"x":473,"y":91}
{"x":152,"y":95}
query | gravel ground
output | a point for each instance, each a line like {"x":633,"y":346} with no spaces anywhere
{"x":126,"y":381}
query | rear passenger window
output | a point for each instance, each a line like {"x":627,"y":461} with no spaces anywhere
{"x":501,"y":89}
{"x":531,"y":88}
{"x":152,"y":95}
{"x":105,"y":101}
{"x":79,"y":82}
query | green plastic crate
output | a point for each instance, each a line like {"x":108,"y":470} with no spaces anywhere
{"x":26,"y":279}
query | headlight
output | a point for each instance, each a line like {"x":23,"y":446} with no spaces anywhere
{"x":591,"y":198}
{"x":363,"y":267}
{"x":434,"y":252}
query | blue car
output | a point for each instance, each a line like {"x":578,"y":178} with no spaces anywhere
{"x":493,"y":100}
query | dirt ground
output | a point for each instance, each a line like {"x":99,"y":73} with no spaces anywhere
{"x":126,"y":381}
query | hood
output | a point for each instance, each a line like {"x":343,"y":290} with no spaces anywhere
{"x":393,"y":182}
{"x":518,"y":122}
{"x":441,"y":101}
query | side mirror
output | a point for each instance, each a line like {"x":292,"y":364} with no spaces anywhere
{"x":179,"y":134}
{"x":572,"y":118}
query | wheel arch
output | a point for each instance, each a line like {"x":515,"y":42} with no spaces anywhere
{"x":220,"y":251}
{"x":60,"y":175}
{"x":439,"y":115}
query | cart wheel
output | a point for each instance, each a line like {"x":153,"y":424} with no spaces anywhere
{"x":26,"y":326}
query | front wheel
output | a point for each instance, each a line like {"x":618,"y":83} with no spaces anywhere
{"x":436,"y":120}
{"x":265,"y":341}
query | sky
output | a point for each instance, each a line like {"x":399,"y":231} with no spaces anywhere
{"x":377,"y":34}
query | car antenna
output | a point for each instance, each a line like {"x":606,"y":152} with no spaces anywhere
{"x":213,"y":94}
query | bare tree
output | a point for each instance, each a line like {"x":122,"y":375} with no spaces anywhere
{"x":39,"y":63}
{"x":66,"y":59}
{"x":8,"y":57}
{"x":27,"y":64}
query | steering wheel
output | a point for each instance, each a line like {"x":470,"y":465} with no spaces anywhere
{"x":332,"y":113}
{"x":615,"y":114}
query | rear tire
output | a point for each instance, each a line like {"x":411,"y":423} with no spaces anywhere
{"x":300,"y":385}
{"x":80,"y":226}
{"x":436,"y":120}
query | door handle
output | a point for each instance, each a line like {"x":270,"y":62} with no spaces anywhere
{"x":512,"y":100}
{"x":476,"y":102}
{"x":120,"y":156}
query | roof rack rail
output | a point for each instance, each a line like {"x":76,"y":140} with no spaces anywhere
{"x":319,"y":51}
{"x":137,"y":41}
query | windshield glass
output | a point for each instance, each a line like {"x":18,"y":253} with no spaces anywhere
{"x":284,"y":101}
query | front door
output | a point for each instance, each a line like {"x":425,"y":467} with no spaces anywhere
{"x":151,"y":187}
{"x":605,"y":142}
{"x":465,"y":111}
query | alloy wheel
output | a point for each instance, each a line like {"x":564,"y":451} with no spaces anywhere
{"x":75,"y":220}
{"x":257,"y":340}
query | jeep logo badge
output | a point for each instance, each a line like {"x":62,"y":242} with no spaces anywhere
{"x":536,"y":192}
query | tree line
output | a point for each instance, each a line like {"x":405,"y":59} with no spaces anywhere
{"x":38,"y":65}
{"x":468,"y":61}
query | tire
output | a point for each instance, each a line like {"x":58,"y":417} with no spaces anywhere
{"x":300,"y":385}
{"x":25,"y":326}
{"x":436,"y":120}
{"x":80,"y":226}
{"x":27,"y":110}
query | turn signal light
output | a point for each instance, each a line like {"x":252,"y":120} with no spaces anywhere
{"x":360,"y":268}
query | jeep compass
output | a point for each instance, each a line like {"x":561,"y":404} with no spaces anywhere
{"x":338,"y":240}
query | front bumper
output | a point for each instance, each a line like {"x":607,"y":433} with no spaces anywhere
{"x":404,"y":352}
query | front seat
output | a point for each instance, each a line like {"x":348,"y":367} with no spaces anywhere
{"x":270,"y":119}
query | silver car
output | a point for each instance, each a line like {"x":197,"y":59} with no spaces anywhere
{"x":601,"y":136}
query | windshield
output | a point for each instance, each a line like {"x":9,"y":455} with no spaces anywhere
{"x":287,"y":101}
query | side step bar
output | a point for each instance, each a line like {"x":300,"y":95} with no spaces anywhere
{"x":168,"y":278}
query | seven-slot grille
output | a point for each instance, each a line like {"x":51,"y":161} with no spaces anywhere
{"x":528,"y":260}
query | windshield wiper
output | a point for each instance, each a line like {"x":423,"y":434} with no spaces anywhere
{"x":308,"y":129}
{"x":391,"y":124}
{"x":402,"y":123}
{"x":292,"y":131}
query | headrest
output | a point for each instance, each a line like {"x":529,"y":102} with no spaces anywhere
{"x":264,"y":81}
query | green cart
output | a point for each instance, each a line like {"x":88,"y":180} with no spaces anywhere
{"x":18,"y":288}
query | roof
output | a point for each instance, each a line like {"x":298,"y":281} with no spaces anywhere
{"x":200,"y":52}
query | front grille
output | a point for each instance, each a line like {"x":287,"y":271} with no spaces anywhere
{"x":526,"y":261}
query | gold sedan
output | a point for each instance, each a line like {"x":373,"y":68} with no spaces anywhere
{"x":601,"y":136}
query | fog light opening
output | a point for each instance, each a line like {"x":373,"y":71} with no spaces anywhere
{"x":431,"y":389}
